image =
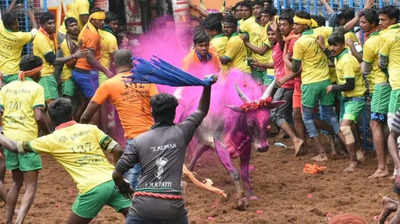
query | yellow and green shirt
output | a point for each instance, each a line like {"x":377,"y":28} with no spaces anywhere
{"x":79,"y":149}
{"x":12,"y":44}
{"x":325,"y":32}
{"x":259,"y":38}
{"x":67,"y":71}
{"x":236,"y":51}
{"x":347,"y":66}
{"x":218,"y":43}
{"x":18,"y":101}
{"x":108,"y":45}
{"x":371,"y":56}
{"x":314,"y":61}
{"x":391,"y":48}
{"x":244,"y":28}
{"x":43,"y":45}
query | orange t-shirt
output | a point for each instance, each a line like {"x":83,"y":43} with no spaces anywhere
{"x":193,"y":65}
{"x":132,"y":101}
{"x":90,"y":40}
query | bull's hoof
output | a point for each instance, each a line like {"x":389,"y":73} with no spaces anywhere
{"x":243,"y":203}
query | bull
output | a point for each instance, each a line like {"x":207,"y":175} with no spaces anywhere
{"x":234,"y":135}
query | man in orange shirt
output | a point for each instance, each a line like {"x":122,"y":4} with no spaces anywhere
{"x":85,"y":73}
{"x":132,"y":101}
{"x":200,"y":61}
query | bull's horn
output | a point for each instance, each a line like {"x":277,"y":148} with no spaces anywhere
{"x":268,"y":91}
{"x":241,"y":94}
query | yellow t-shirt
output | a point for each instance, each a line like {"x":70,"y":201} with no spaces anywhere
{"x":108,"y":44}
{"x":325,"y":32}
{"x":43,"y":45}
{"x":314,"y":61}
{"x":67,"y":71}
{"x":218,"y":44}
{"x":347,"y":66}
{"x":79,"y":149}
{"x":75,"y":9}
{"x":244,"y":28}
{"x":259,"y":38}
{"x":371,"y":56}
{"x":236,"y":50}
{"x":12,"y":44}
{"x":18,"y":100}
{"x":351,"y":36}
{"x":391,"y":49}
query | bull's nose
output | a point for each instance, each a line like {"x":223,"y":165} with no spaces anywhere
{"x":263,"y":148}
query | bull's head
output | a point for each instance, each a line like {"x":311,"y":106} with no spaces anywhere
{"x":255,"y":116}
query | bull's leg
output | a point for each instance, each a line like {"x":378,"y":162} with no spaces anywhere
{"x":196,"y":155}
{"x":244,"y":171}
{"x":224,"y":157}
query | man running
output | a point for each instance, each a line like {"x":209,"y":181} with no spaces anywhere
{"x":132,"y":102}
{"x":22,"y":112}
{"x":161,"y":152}
{"x":80,"y":149}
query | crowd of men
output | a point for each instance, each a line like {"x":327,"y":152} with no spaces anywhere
{"x":326,"y":74}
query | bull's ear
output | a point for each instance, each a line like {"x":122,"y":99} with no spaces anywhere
{"x":234,"y":108}
{"x":276,"y":103}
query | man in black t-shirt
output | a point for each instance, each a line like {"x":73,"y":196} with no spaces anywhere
{"x":161,"y":153}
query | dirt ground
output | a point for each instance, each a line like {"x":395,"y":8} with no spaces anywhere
{"x":286,"y":194}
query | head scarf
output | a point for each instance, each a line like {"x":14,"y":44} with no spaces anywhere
{"x":309,"y":22}
{"x":97,"y":15}
{"x":28,"y":73}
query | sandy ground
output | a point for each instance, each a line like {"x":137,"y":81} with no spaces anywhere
{"x":286,"y":194}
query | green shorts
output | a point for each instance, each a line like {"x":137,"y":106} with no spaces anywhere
{"x":24,"y":162}
{"x":9,"y":78}
{"x":262,"y":76}
{"x":89,"y":204}
{"x":49,"y":84}
{"x":314,"y":92}
{"x":380,"y":98}
{"x":352,"y":108}
{"x":394,"y":103}
{"x":102,"y":77}
{"x":68,"y":87}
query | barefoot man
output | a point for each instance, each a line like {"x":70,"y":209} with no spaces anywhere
{"x":22,"y":112}
{"x":309,"y":60}
{"x":80,"y":149}
{"x":350,"y":83}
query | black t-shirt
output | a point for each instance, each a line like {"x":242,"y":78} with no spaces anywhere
{"x":161,"y":153}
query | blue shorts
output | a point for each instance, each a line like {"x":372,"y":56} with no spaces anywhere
{"x":87,"y":81}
